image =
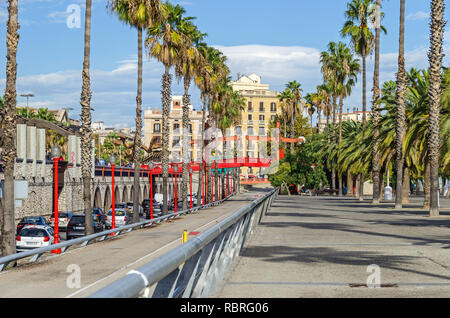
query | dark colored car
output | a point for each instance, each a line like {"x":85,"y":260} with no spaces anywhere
{"x":31,"y":220}
{"x":157,"y":208}
{"x":63,"y":220}
{"x":77,"y":226}
{"x":99,"y":214}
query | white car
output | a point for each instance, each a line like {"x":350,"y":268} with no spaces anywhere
{"x":121,"y":218}
{"x":34,"y":236}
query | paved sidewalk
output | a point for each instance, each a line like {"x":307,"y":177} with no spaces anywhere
{"x":324,"y":246}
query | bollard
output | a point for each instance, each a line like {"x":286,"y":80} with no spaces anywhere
{"x":184,"y":237}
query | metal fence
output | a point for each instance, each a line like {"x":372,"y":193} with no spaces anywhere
{"x":195,"y":268}
{"x":35,"y":254}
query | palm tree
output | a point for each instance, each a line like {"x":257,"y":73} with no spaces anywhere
{"x":285,"y":99}
{"x":164,"y":41}
{"x":86,"y":137}
{"x":435,"y":56}
{"x":375,"y":108}
{"x":325,"y":92}
{"x":8,"y":133}
{"x":359,"y":14}
{"x":401,"y":109}
{"x":187,"y":67}
{"x":310,"y":107}
{"x":139,"y":14}
{"x":339,"y":69}
{"x":295,"y":106}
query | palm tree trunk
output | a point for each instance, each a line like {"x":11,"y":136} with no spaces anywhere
{"x":376,"y":112}
{"x":341,"y":102}
{"x":186,"y":144}
{"x":86,"y":138}
{"x":137,"y":136}
{"x":333,"y":167}
{"x":292,"y":130}
{"x":405,"y":185}
{"x":435,"y":56}
{"x":8,"y":134}
{"x":426,"y":185}
{"x":349,"y":184}
{"x":166,"y":94}
{"x":200,"y":172}
{"x":401,"y":117}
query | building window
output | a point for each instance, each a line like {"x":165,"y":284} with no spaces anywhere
{"x":261,"y":106}
{"x":176,"y":141}
{"x":261,"y":117}
{"x":250,"y":118}
{"x":156,"y":128}
{"x":176,"y":126}
{"x":238,"y":130}
{"x":250,"y":131}
{"x":190,"y":128}
{"x":272,"y":118}
{"x":250,"y":107}
{"x":273,"y":107}
{"x":262,"y":131}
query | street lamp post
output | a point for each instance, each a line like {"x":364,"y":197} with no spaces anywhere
{"x":56,"y":154}
{"x":190,"y":183}
{"x":226,"y":182}
{"x":175,"y":169}
{"x":112,"y":160}
{"x":151,"y":189}
{"x":27,"y":96}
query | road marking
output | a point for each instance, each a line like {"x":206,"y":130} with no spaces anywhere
{"x":136,"y":261}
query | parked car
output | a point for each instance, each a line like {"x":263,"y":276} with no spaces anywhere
{"x":77,"y":225}
{"x":63,"y":217}
{"x":121,"y":206}
{"x":130,"y":208}
{"x":122,"y":217}
{"x":34,"y":236}
{"x":31,"y":220}
{"x":99,"y":213}
{"x":157,"y":209}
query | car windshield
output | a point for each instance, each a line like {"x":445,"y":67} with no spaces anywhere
{"x":77,"y":219}
{"x":117,"y":213}
{"x":61,"y":215}
{"x":120,"y":205}
{"x":33,"y":233}
{"x":31,"y":219}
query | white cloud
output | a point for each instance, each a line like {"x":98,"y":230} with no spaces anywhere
{"x":420,"y":15}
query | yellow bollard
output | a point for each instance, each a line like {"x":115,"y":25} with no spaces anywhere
{"x":184,"y":237}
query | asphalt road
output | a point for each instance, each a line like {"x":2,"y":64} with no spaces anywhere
{"x":330,"y":247}
{"x":101,"y":263}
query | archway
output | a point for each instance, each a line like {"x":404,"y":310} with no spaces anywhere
{"x":98,"y":198}
{"x":132,"y":194}
{"x":125,"y":194}
{"x":117,"y":195}
{"x":108,"y":199}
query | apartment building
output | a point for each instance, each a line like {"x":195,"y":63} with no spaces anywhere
{"x":153,"y":128}
{"x":262,"y":105}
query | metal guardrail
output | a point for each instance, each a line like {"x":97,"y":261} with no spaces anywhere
{"x":195,"y":268}
{"x":85,"y":240}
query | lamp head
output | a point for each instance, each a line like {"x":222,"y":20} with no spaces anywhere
{"x":56,"y":151}
{"x":112,"y":159}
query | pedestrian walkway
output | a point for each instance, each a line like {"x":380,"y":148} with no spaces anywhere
{"x":332,"y":247}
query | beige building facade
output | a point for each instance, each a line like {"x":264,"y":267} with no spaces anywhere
{"x":355,"y":116}
{"x":262,"y":105}
{"x":153,"y":128}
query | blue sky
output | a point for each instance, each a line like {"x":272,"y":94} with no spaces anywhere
{"x":280,"y":40}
